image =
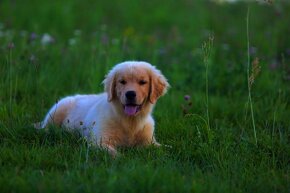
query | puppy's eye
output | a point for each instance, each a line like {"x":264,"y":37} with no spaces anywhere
{"x":142,"y":82}
{"x":123,"y":82}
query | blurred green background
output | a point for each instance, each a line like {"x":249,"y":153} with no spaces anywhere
{"x":50,"y":49}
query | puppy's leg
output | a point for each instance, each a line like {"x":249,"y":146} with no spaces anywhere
{"x":146,"y":137}
{"x":109,"y":148}
{"x":155,"y":143}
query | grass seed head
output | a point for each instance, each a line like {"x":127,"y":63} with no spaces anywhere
{"x":256,"y":68}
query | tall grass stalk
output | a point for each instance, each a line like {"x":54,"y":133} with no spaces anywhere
{"x":248,"y":78}
{"x":9,"y":63}
{"x":206,"y":47}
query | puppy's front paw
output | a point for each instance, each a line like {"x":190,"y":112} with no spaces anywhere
{"x":113,"y":153}
{"x":156,"y":144}
{"x":110,"y":149}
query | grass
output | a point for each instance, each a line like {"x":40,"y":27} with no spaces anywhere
{"x":248,"y":77}
{"x":88,"y":38}
{"x":206,"y":47}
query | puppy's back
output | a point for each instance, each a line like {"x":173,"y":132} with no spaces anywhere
{"x":74,"y":108}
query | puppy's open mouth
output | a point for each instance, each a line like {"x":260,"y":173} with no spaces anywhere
{"x":131,"y":109}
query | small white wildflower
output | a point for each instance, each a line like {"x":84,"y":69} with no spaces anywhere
{"x":46,"y":39}
{"x":32,"y":58}
{"x":72,"y":41}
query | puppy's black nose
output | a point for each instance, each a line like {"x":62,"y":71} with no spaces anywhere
{"x":130,"y":95}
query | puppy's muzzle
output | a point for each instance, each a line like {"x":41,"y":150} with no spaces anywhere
{"x":131,"y":108}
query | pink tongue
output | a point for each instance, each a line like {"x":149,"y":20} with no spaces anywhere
{"x":130,"y":110}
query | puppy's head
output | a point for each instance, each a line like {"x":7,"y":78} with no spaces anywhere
{"x":134,"y":86}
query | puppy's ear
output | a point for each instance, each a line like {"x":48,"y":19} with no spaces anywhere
{"x":158,"y":85}
{"x":110,"y":85}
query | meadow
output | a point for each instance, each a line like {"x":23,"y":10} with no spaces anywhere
{"x":51,"y":49}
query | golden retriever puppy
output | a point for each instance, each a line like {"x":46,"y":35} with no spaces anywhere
{"x":119,"y":117}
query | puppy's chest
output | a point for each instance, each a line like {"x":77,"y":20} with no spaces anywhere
{"x":128,"y":136}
